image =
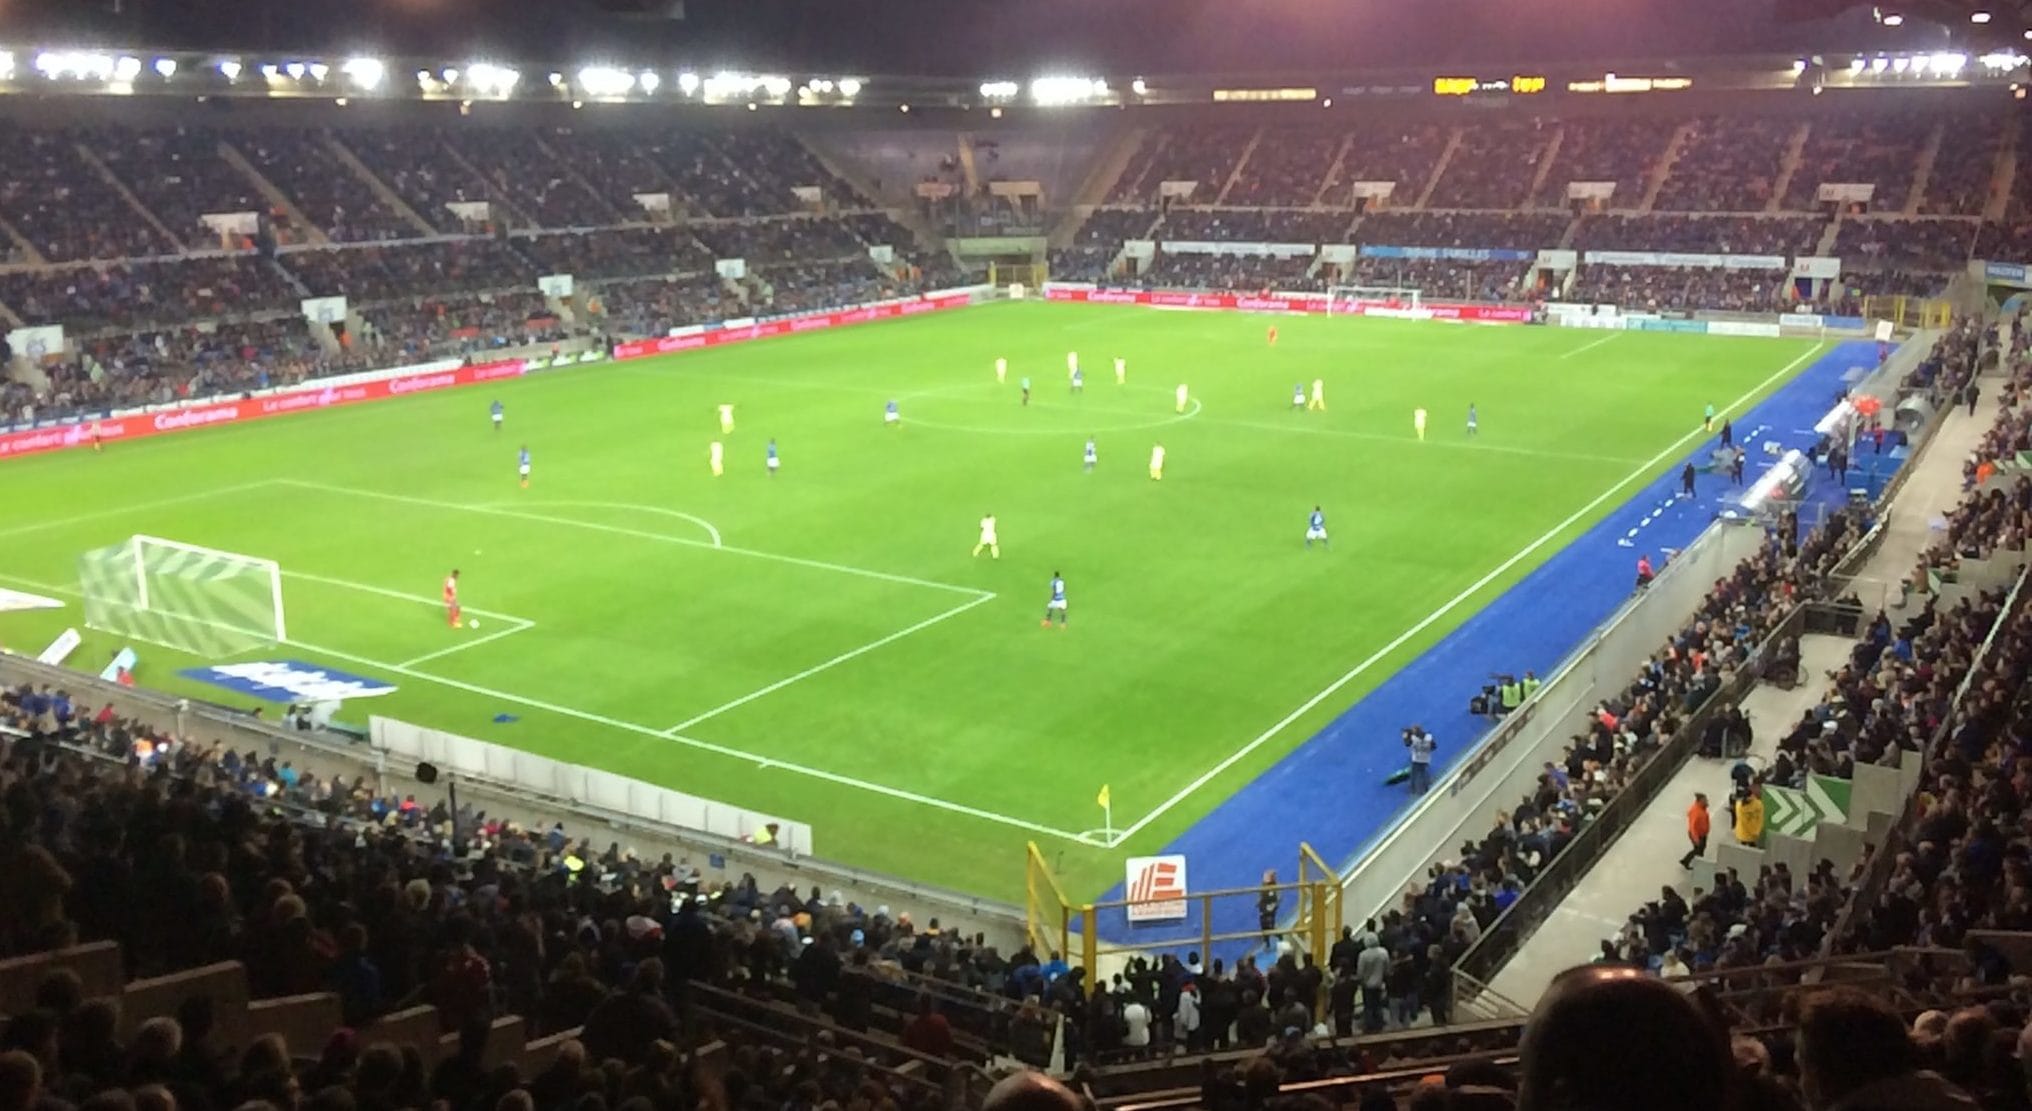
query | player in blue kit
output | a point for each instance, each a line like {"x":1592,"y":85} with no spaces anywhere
{"x":1057,"y":603}
{"x":1079,"y":380}
{"x":773,"y":462}
{"x":1026,"y":389}
{"x":1474,"y":422}
{"x":1092,"y":456}
{"x":496,"y":411}
{"x":522,"y":466}
{"x":892,"y":415}
{"x":1315,"y":529}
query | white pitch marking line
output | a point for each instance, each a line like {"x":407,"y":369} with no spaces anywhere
{"x":398,"y":595}
{"x":523,"y":627}
{"x":828,"y":664}
{"x":1452,"y":604}
{"x":693,"y":742}
{"x":701,"y":522}
{"x":1610,"y":338}
{"x":99,"y":514}
{"x":433,"y":503}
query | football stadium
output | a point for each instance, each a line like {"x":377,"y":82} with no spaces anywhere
{"x":708,"y":555}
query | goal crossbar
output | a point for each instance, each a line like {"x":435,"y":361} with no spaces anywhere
{"x":1340,"y":297}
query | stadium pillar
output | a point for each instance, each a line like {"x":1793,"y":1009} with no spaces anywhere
{"x":1206,"y":927}
{"x":1090,"y":954}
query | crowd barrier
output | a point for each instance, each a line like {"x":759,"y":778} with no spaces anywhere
{"x":527,"y":773}
{"x":1295,"y":303}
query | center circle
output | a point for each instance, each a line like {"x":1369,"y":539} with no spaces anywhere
{"x":1063,"y":414}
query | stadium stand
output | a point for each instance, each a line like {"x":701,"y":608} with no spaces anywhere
{"x":67,"y":210}
{"x":1728,"y":164}
{"x":146,"y":292}
{"x":429,"y":328}
{"x":655,"y":306}
{"x":382,"y":271}
{"x":1402,"y":153}
{"x":1472,"y":230}
{"x":1437,"y":278}
{"x":775,"y":242}
{"x":1230,"y":272}
{"x":418,"y":166}
{"x":1881,"y":149}
{"x":300,"y":163}
{"x":1288,"y":167}
{"x":521,"y":169}
{"x":1960,"y":180}
{"x":1256,"y":225}
{"x":180,"y":176}
{"x":1683,"y":289}
{"x":1721,"y":235}
{"x":1622,"y":151}
{"x":1205,"y":156}
{"x":617,"y":252}
{"x":1494,"y":165}
{"x":1932,"y":249}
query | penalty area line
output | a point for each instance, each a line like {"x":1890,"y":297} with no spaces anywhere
{"x":1585,"y":347}
{"x":827,"y":665}
{"x":693,"y":742}
{"x":1430,"y":619}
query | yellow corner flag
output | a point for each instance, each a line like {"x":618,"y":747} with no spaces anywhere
{"x":1103,"y":799}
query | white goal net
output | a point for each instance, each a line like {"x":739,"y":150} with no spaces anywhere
{"x":1352,"y":299}
{"x":202,"y":600}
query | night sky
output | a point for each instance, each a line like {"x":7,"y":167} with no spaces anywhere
{"x":966,"y":37}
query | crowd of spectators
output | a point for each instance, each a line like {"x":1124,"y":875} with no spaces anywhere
{"x":621,"y":165}
{"x":654,"y":306}
{"x":519,"y":168}
{"x":1879,"y":148}
{"x":1204,"y":155}
{"x":180,"y":176}
{"x":134,"y":294}
{"x":300,"y":163}
{"x":1892,"y":244}
{"x":1682,"y":289}
{"x":416,"y":164}
{"x":176,"y":364}
{"x":1230,"y":272}
{"x":1727,"y":164}
{"x":778,"y":165}
{"x":1622,"y":151}
{"x":1515,"y":231}
{"x":385,"y":271}
{"x":64,"y":207}
{"x":424,"y":328}
{"x":1718,"y":235}
{"x":1494,"y":166}
{"x":1256,"y":225}
{"x":1437,"y":279}
{"x":782,"y":241}
{"x":1405,"y":153}
{"x":811,"y":286}
{"x":617,"y":252}
{"x":1288,"y":167}
{"x":1965,"y":167}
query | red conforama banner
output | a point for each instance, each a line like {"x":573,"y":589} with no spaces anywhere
{"x":116,"y":429}
{"x":1289,"y":303}
{"x":791,"y":326}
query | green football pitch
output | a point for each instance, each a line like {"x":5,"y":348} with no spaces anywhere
{"x":821,"y":644}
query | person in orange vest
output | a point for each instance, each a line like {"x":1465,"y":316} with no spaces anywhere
{"x":1643,"y":570}
{"x":1697,"y":825}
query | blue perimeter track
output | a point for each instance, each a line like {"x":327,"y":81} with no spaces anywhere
{"x":1330,"y":791}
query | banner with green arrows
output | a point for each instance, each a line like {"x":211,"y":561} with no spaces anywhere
{"x":1795,"y":813}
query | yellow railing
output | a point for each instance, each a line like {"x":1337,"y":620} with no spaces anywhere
{"x":1056,"y":923}
{"x":1909,"y":312}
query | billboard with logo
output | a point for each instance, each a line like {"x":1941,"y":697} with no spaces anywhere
{"x":1155,"y":887}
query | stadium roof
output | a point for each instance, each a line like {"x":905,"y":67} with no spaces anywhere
{"x":959,"y":37}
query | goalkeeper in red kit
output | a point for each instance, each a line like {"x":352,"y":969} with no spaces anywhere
{"x":451,"y":598}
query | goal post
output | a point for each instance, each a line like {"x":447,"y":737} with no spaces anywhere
{"x":202,"y":600}
{"x":1351,"y":298}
